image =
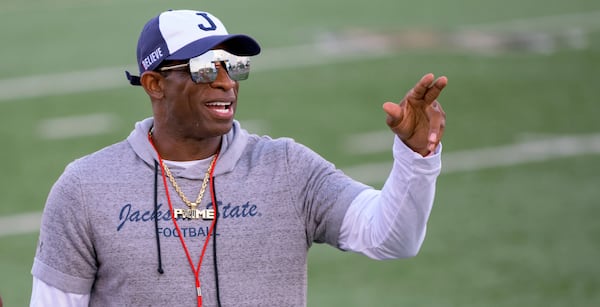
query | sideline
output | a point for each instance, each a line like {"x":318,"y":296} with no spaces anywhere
{"x":453,"y":162}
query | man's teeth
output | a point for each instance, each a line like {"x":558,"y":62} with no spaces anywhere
{"x":220,"y":106}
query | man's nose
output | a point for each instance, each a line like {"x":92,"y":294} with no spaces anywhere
{"x":222,"y":80}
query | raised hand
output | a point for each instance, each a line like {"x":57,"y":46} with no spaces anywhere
{"x":419,"y":119}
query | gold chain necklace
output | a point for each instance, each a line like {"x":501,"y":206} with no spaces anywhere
{"x":192,"y":212}
{"x":191,"y":205}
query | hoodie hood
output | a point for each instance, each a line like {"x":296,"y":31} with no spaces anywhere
{"x":232,"y":147}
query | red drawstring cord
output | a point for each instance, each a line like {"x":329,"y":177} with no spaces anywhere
{"x":181,"y":239}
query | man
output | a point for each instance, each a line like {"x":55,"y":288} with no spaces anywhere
{"x":124,"y":227}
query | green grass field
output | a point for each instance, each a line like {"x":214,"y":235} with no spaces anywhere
{"x":524,"y":233}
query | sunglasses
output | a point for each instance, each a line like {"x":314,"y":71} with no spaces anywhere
{"x":203,"y":68}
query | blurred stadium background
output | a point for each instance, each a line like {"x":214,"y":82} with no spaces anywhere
{"x":516,"y":216}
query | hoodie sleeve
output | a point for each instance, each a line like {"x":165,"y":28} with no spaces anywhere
{"x":65,"y":257}
{"x":322,"y":193}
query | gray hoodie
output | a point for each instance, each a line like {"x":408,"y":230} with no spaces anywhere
{"x":101,"y":234}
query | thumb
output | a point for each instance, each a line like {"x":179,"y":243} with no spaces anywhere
{"x":394,"y":112}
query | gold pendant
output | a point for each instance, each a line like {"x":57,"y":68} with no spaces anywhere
{"x":206,"y":214}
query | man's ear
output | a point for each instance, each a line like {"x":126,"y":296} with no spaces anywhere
{"x":152,"y":84}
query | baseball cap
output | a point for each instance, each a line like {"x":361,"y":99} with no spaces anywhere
{"x":184,"y":34}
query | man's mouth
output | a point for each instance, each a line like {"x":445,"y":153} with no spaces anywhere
{"x":221,"y":107}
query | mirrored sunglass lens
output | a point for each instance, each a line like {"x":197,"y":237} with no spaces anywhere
{"x":203,"y":70}
{"x":238,"y":68}
{"x":204,"y":74}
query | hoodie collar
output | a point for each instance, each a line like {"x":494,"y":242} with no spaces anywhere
{"x":232,"y":147}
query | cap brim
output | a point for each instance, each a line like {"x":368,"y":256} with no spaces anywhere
{"x":238,"y":44}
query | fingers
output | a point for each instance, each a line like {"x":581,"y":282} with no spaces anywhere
{"x":434,"y":89}
{"x":437,"y":124}
{"x":421,"y":88}
{"x":427,"y":90}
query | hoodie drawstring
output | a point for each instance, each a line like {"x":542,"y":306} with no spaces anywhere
{"x":160,"y":269}
{"x":214,"y":201}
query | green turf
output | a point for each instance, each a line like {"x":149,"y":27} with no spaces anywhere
{"x":525,"y":235}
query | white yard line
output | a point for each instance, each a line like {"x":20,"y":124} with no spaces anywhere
{"x":484,"y":158}
{"x":62,"y":83}
{"x":76,"y":126}
{"x":453,"y":162}
{"x":18,"y":224}
{"x":368,"y":142}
